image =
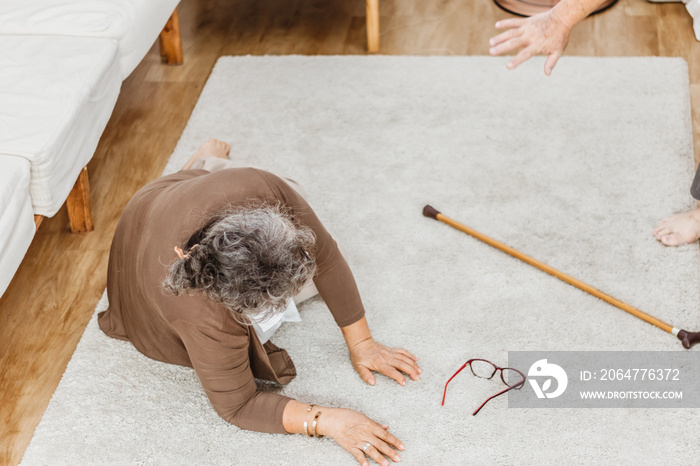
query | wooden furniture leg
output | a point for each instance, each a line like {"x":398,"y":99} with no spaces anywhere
{"x":372,"y":26}
{"x":169,"y":41}
{"x":78,"y":204}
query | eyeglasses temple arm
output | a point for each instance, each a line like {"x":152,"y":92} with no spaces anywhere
{"x":497,"y":394}
{"x":444,"y":394}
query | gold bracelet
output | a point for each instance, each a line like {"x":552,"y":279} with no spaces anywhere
{"x":306,"y":424}
{"x":313,"y":426}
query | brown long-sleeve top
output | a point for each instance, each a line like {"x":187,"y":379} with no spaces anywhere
{"x":191,"y":329}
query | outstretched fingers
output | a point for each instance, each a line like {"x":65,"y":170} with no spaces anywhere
{"x":365,"y":374}
{"x":359,"y":456}
{"x":510,"y":23}
{"x":392,"y":373}
{"x":502,"y":37}
{"x":551,"y":62}
{"x":407,"y":354}
{"x":386,"y":450}
{"x":364,"y":437}
{"x":375,"y":454}
{"x":507,"y":46}
{"x":387,"y":361}
{"x":407,"y":366}
{"x":378,"y":446}
{"x":520,"y":58}
{"x":389,"y":438}
{"x":543,"y":34}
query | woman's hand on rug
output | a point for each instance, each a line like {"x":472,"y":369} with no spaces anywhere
{"x":543,"y":34}
{"x":360,"y":436}
{"x":369,"y":355}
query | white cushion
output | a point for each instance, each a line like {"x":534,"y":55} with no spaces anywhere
{"x":56,"y":96}
{"x":134,"y":24}
{"x":16,"y":218}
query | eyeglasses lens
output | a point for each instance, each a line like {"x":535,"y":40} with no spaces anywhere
{"x":483,"y":369}
{"x":510,"y":376}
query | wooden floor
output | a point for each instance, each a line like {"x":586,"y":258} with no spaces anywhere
{"x":53,"y":294}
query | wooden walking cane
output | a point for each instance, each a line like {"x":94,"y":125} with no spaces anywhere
{"x":687,"y":338}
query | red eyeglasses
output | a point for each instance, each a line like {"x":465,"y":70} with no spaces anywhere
{"x":486,"y":370}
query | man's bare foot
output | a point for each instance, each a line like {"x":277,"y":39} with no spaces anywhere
{"x":211,"y":148}
{"x":679,"y":229}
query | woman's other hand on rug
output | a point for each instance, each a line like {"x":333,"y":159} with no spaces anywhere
{"x":542,"y":34}
{"x":360,"y":436}
{"x":352,"y":430}
{"x":367,"y":355}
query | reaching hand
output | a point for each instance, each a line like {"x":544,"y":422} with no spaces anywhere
{"x":368,"y":356}
{"x":542,"y":34}
{"x":361,"y":436}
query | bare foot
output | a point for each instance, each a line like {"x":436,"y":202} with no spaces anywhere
{"x":211,"y":148}
{"x":679,"y":229}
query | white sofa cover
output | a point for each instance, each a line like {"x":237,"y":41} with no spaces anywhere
{"x":134,"y":24}
{"x":56,"y":96}
{"x":61,"y":68}
{"x":16,"y":217}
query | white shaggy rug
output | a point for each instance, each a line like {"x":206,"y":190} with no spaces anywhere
{"x":575,"y":170}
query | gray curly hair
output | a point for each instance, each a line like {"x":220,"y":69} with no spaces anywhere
{"x":252,"y":259}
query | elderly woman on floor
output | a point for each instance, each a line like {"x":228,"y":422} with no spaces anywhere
{"x":203,"y":268}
